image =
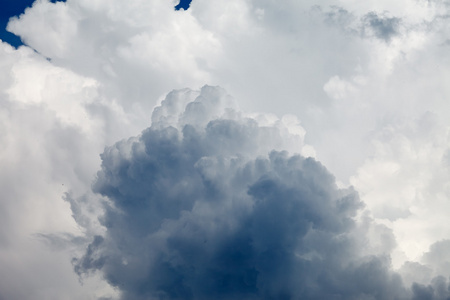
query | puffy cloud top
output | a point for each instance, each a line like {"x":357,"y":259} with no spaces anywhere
{"x":201,"y":207}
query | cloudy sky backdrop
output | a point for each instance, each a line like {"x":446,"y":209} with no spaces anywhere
{"x":238,"y":149}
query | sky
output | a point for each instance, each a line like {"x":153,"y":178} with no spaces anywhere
{"x":9,"y":9}
{"x":233,"y":149}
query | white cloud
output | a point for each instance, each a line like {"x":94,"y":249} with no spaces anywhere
{"x":406,"y":182}
{"x":48,"y":136}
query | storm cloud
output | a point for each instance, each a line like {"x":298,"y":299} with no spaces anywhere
{"x":202,"y":205}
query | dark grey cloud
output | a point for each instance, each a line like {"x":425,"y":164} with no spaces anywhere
{"x":438,"y":289}
{"x":194,"y":212}
{"x":381,"y":26}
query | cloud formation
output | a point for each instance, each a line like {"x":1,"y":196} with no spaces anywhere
{"x":201,"y":207}
{"x":368,"y":80}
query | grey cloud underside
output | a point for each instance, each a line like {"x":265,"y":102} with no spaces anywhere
{"x":372,"y":24}
{"x":194,"y":213}
{"x":383,"y":27}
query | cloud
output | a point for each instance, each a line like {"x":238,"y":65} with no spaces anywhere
{"x":403,"y":198}
{"x":359,"y":75}
{"x":383,"y":27}
{"x":262,"y":53}
{"x":48,"y":135}
{"x":201,"y":207}
{"x":136,"y":52}
{"x":429,"y":277}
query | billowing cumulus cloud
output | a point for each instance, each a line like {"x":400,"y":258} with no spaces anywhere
{"x":368,"y":80}
{"x":202,"y":205}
